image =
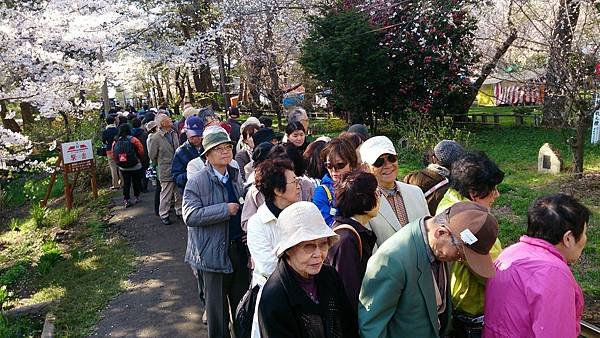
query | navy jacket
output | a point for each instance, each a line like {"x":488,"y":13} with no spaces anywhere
{"x":183,"y":155}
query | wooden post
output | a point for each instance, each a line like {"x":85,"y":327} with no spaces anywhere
{"x":94,"y":182}
{"x":519,"y":119}
{"x":68,"y":191}
{"x":51,"y":183}
{"x":496,"y":120}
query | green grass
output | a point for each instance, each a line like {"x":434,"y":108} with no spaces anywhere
{"x":81,"y":273}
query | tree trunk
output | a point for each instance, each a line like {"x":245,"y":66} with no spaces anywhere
{"x":189,"y":89}
{"x":275,"y":93}
{"x":161,"y":95}
{"x":180,"y":86}
{"x":10,"y":124}
{"x":27,"y":113}
{"x":557,"y":74}
{"x":67,"y":126}
{"x":206,"y":83}
{"x":222,"y":75}
{"x":167,"y":83}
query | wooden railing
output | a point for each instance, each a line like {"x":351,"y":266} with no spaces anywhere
{"x":493,"y":119}
{"x":589,"y":331}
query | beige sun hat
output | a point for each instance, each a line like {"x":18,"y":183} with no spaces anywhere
{"x":301,"y":222}
{"x":374,"y":147}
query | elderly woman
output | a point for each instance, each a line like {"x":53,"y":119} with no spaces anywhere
{"x":357,"y":202}
{"x":303,"y":297}
{"x":474,"y":177}
{"x":340,"y":157}
{"x":211,"y":209}
{"x":276,"y":180}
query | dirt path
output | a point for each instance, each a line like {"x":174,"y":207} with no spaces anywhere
{"x":162,"y":300}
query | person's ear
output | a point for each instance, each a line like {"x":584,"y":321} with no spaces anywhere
{"x":568,"y":239}
{"x":278,"y":192}
{"x":440,"y":231}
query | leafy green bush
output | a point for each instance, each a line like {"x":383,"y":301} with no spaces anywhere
{"x":51,"y":255}
{"x":67,"y":218}
{"x":20,"y":327}
{"x":38,"y":214}
{"x":13,"y":274}
{"x":4,"y":296}
{"x":423,"y":133}
{"x":14,"y":224}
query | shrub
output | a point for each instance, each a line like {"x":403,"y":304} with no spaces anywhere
{"x":4,"y":296}
{"x":67,"y":218}
{"x":14,"y":224}
{"x":51,"y":255}
{"x":38,"y":214}
{"x":13,"y":274}
{"x":423,"y":133}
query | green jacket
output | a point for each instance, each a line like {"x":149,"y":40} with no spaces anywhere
{"x":397,"y":297}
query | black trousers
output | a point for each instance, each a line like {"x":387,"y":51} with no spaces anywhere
{"x":129,"y":177}
{"x":157,"y":190}
{"x":225,"y":290}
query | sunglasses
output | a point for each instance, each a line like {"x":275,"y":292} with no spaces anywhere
{"x":380,"y":161}
{"x":337,"y":166}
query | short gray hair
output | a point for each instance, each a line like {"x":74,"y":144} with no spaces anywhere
{"x":295,"y":114}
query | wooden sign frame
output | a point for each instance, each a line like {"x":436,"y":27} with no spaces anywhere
{"x":72,"y":168}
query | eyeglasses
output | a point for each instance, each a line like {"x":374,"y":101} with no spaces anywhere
{"x":336,"y":166}
{"x":223,"y":148}
{"x":459,"y":246}
{"x":296,"y":181}
{"x":310,"y":247}
{"x":380,"y":161}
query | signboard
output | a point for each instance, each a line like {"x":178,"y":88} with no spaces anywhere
{"x":77,"y":151}
{"x":79,"y":166}
{"x":596,"y":127}
{"x":596,"y":121}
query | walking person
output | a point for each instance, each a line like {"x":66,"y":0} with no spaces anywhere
{"x":534,"y":293}
{"x":141,"y":134}
{"x":127,"y":151}
{"x":357,"y":199}
{"x":108,"y":137}
{"x":406,"y":288}
{"x":304,"y":297}
{"x":191,"y":149}
{"x":276,"y":180}
{"x":244,"y":154}
{"x":215,"y":246}
{"x":162,"y":150}
{"x":151,"y":128}
{"x":296,"y":136}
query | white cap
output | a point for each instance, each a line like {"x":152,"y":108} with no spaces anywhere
{"x":250,"y":120}
{"x":301,"y":222}
{"x":374,"y":147}
{"x":214,"y":129}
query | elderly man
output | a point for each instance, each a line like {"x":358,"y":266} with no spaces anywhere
{"x":400,"y":203}
{"x":406,"y":288}
{"x":191,"y":149}
{"x":162,"y":149}
{"x":212,"y":208}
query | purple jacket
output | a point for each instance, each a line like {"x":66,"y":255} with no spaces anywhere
{"x":533,"y":294}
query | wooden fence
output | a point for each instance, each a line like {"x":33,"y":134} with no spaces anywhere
{"x":480,"y":119}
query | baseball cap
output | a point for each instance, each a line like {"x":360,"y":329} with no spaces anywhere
{"x":478,"y":230}
{"x":194,"y":126}
{"x":374,"y":147}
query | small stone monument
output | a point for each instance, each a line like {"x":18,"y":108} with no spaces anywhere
{"x":549,"y":160}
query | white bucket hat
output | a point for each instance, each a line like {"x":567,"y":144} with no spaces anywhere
{"x":301,"y":222}
{"x":374,"y":147}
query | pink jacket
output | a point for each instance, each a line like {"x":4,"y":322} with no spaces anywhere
{"x":533,"y":294}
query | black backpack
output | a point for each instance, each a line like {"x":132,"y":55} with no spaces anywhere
{"x":124,"y":153}
{"x":242,"y":324}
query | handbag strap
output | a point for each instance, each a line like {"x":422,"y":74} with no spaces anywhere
{"x":436,"y":187}
{"x":349,"y":227}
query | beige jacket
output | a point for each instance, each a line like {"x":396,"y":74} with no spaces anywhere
{"x":161,"y":152}
{"x":385,"y":224}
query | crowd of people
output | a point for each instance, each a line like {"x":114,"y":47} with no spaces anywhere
{"x":290,"y":236}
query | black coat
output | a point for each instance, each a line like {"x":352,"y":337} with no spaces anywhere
{"x":285,"y":310}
